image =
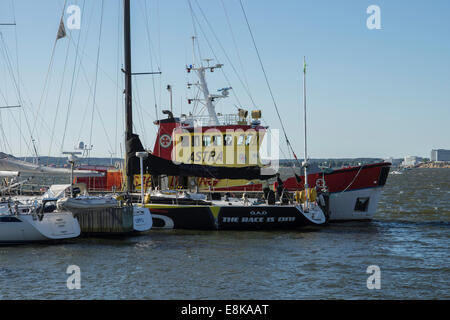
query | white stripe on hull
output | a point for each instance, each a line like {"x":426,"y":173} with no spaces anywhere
{"x":343,"y":204}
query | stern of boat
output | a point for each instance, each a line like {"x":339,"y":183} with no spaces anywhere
{"x":56,"y":225}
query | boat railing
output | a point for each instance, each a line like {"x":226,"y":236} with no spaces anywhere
{"x":224,"y":120}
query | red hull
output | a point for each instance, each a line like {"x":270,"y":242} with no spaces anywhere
{"x":345,"y":179}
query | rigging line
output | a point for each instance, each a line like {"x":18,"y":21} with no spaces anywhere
{"x":47,"y":75}
{"x":139,"y":111}
{"x":235,"y":43}
{"x":17,"y":69}
{"x":95,"y":109}
{"x":150,"y":44}
{"x":226,"y":55}
{"x":29,"y":149}
{"x":117,"y":74}
{"x":8,"y":65}
{"x":21,"y":134}
{"x":280,"y":148}
{"x":215,"y":56}
{"x":104,"y":127}
{"x":151,"y":59}
{"x":59,"y":101}
{"x":83,"y":71}
{"x":69,"y":105}
{"x":83,"y":53}
{"x":24,"y":103}
{"x":86,"y":105}
{"x":195,"y":36}
{"x":266,"y":78}
{"x":16,"y":43}
{"x":5,"y":141}
{"x":158,"y":21}
{"x":96,"y":72}
{"x":196,"y":102}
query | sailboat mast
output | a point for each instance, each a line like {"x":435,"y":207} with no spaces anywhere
{"x":128,"y":90}
{"x":305,"y":163}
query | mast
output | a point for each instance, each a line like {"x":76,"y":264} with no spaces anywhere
{"x":128,"y":90}
{"x":207,"y":97}
{"x":305,"y":162}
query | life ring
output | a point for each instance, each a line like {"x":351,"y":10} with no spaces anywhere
{"x":320,"y":183}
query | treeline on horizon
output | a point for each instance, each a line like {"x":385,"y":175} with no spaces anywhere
{"x":331,"y":162}
{"x":326,"y":162}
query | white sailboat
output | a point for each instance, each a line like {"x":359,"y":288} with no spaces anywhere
{"x":310,"y":203}
{"x":21,"y":223}
{"x":142,"y":219}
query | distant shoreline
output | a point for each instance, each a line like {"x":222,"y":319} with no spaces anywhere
{"x":432,"y":165}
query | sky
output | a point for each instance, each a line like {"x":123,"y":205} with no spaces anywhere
{"x":370,"y":92}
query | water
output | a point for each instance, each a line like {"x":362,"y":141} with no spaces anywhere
{"x":409,"y":240}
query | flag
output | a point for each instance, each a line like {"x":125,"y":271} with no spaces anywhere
{"x":304,"y":66}
{"x":61,"y":30}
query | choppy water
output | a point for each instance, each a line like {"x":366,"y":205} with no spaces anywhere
{"x":409,"y":240}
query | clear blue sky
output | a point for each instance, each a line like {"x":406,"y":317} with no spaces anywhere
{"x":371,"y":93}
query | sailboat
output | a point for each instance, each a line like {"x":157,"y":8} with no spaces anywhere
{"x":185,"y":210}
{"x":142,"y":219}
{"x":31,"y":222}
{"x":101,"y":215}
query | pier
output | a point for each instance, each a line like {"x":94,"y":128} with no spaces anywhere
{"x":111,"y":221}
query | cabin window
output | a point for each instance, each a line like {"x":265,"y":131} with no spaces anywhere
{"x":362,"y":204}
{"x":195,"y":141}
{"x":184,"y":141}
{"x":9,"y":219}
{"x":241,"y":139}
{"x":228,"y":140}
{"x":217,"y":141}
{"x":249,"y":139}
{"x":206,"y":141}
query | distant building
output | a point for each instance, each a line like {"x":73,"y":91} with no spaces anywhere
{"x":440,"y":155}
{"x":410,"y":161}
{"x":395,"y":162}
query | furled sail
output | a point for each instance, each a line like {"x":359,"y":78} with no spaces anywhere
{"x":10,"y":163}
{"x":158,"y":166}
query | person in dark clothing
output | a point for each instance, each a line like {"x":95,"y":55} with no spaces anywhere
{"x":280,"y":187}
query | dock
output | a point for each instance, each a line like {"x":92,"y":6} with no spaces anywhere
{"x":105,"y":221}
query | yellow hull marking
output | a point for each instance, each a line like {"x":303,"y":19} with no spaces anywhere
{"x":214,"y":211}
